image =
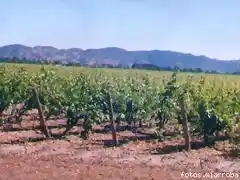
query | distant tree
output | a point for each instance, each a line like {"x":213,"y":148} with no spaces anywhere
{"x":198,"y":70}
{"x":145,"y":66}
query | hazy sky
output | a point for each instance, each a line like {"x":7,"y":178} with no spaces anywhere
{"x":201,"y":27}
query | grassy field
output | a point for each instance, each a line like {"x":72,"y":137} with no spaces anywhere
{"x":230,"y":80}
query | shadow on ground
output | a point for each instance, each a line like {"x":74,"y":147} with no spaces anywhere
{"x":106,"y":129}
{"x":13,"y":129}
{"x":54,"y":136}
{"x":139,"y":136}
{"x":195,"y":145}
{"x":167,"y":149}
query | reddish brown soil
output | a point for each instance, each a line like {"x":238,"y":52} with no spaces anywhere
{"x":74,"y":158}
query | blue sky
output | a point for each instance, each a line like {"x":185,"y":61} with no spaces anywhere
{"x":201,"y":27}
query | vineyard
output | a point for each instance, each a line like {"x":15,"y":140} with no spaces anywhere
{"x":55,"y":102}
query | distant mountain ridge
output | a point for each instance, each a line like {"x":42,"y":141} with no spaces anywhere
{"x":117,"y":56}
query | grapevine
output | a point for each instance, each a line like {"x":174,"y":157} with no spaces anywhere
{"x":209,"y":105}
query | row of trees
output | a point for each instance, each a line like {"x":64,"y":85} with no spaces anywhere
{"x":134,"y":66}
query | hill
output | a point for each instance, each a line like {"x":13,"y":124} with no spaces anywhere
{"x":116,"y":56}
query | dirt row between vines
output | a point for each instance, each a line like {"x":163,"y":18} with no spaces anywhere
{"x":74,"y":158}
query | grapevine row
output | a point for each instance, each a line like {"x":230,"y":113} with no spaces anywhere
{"x":208,"y":106}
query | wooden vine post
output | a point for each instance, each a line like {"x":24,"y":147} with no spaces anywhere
{"x":43,"y":125}
{"x":113,"y":125}
{"x":185,"y":123}
{"x":1,"y":111}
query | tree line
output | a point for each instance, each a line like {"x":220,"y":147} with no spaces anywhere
{"x":144,"y":66}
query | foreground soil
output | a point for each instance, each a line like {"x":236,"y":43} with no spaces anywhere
{"x":75,"y":159}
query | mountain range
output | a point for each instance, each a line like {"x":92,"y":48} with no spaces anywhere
{"x":117,"y":56}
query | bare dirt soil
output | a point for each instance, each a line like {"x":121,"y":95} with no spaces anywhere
{"x":74,"y":158}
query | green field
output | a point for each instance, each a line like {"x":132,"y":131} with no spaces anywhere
{"x":158,"y":75}
{"x":162,"y":96}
